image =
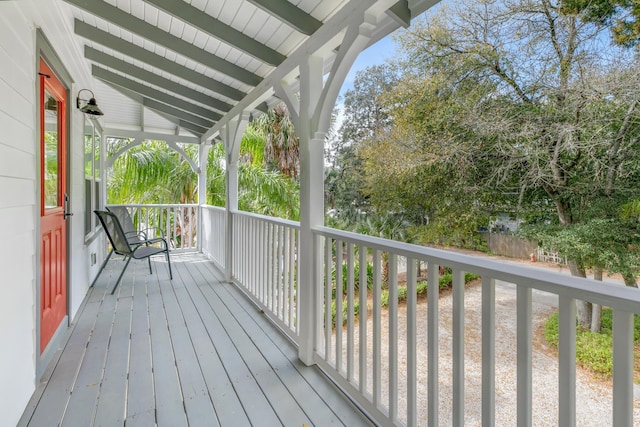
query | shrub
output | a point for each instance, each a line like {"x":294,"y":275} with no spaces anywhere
{"x":356,"y":311}
{"x":446,"y":280}
{"x":594,"y":351}
{"x":421,"y":287}
{"x":356,"y":277}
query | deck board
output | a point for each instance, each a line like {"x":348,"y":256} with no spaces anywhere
{"x":188,"y":352}
{"x":82,"y":402}
{"x":140,"y":403}
{"x":111,"y":407}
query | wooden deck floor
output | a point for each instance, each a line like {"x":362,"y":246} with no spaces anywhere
{"x":187,"y":352}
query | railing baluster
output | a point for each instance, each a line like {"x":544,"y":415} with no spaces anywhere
{"x":524,"y":345}
{"x":412,"y":333}
{"x":270,"y":258}
{"x":286,"y":273}
{"x":488,"y":351}
{"x":350,"y":312}
{"x":393,"y":336}
{"x":297,"y":271}
{"x":622,"y":368}
{"x":280,"y":282}
{"x":458,"y":347}
{"x":362,"y":318}
{"x":377,"y":332}
{"x":338,"y":303}
{"x":566,"y":361}
{"x":293,"y":250}
{"x":167,"y":229}
{"x":433,"y":317}
{"x":328,"y":327}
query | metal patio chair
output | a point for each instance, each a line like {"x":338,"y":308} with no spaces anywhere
{"x":130,"y":248}
{"x":133,"y":234}
{"x":135,"y":237}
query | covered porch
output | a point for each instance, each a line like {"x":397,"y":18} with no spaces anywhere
{"x":221,"y":342}
{"x":245,"y":332}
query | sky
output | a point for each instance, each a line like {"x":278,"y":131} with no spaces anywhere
{"x":374,"y":55}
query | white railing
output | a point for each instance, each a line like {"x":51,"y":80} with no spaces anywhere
{"x":377,"y":357}
{"x":390,"y":357}
{"x":265,"y":265}
{"x":178,"y":222}
{"x":214,"y":234}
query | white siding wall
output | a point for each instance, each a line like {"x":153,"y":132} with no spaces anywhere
{"x":19,"y":189}
{"x":17,"y":211}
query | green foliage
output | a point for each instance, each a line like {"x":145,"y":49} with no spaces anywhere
{"x":623,"y":15}
{"x":281,"y":145}
{"x":151,"y":173}
{"x":356,"y":277}
{"x":356,"y":311}
{"x":611,"y":244}
{"x":444,"y":282}
{"x":593,"y":350}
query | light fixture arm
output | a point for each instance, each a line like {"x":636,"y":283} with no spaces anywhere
{"x":90,"y":106}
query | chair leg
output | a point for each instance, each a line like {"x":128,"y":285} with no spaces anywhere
{"x":104,"y":263}
{"x":121,"y":274}
{"x":169,"y":264}
{"x":149,"y":261}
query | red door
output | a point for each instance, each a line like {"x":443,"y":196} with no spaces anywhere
{"x":53,"y":232}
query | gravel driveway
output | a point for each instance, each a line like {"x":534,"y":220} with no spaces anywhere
{"x":593,"y":396}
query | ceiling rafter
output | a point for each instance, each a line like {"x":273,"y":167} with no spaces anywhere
{"x":144,"y":29}
{"x":170,"y":114}
{"x":161,"y":63}
{"x":181,"y":115}
{"x":290,"y":14}
{"x":194,"y":124}
{"x":401,"y":13}
{"x":221,"y":31}
{"x":149,"y":92}
{"x":154,"y":79}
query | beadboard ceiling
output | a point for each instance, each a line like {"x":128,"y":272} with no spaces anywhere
{"x":185,"y":66}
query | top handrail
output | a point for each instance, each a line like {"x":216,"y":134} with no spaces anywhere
{"x":604,"y":293}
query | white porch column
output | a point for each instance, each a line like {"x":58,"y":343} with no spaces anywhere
{"x":203,"y":153}
{"x":231,"y":138}
{"x":311,"y":113}
{"x":311,"y":199}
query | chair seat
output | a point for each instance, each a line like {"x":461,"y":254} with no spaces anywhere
{"x":147,"y":251}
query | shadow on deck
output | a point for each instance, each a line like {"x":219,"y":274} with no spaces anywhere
{"x":188,"y":352}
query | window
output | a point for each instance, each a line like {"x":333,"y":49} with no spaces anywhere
{"x":92,"y":178}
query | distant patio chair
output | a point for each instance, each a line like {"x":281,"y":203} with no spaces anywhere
{"x":133,"y":234}
{"x":135,"y":237}
{"x":122,"y":244}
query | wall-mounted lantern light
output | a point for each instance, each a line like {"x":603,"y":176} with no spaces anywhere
{"x":90,"y":106}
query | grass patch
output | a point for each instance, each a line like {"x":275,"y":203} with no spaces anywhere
{"x":594,"y":351}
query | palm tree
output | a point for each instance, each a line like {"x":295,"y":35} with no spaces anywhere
{"x":281,"y":143}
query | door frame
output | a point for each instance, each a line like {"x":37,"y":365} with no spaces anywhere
{"x":45,"y":51}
